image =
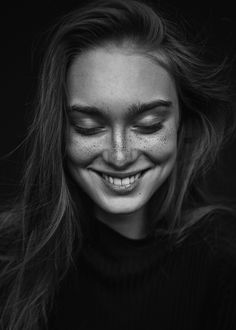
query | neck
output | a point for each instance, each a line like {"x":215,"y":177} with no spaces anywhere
{"x":132,"y":225}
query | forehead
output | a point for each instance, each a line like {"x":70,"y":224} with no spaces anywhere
{"x":116,"y":77}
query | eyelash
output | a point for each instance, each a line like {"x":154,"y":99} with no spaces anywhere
{"x":91,"y":131}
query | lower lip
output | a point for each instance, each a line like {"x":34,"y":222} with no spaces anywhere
{"x":121,"y":189}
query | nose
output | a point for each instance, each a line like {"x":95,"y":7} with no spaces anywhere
{"x":121,"y":152}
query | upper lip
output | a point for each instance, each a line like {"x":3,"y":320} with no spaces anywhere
{"x":119,"y":174}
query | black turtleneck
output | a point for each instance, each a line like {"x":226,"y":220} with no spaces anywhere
{"x":118,"y":283}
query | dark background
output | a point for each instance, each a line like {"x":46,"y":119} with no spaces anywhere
{"x":23,"y":31}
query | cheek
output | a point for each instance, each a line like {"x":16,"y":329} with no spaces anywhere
{"x":163,"y":148}
{"x":78,"y":151}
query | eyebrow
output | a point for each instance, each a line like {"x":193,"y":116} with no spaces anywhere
{"x":133,"y":110}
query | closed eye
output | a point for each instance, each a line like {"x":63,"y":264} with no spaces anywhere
{"x":147,"y":129}
{"x":151,"y":128}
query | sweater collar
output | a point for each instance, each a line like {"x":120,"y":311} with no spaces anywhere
{"x":115,"y":256}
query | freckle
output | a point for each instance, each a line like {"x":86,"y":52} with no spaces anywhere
{"x":163,"y":139}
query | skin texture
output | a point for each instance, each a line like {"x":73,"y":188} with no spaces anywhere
{"x":113,"y":79}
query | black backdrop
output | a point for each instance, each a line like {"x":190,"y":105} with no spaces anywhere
{"x":23,"y":30}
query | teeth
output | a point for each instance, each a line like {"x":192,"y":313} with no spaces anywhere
{"x":122,"y":182}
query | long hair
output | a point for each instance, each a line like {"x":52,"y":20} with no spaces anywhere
{"x":48,"y":220}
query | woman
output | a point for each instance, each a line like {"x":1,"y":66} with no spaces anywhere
{"x":112,"y":229}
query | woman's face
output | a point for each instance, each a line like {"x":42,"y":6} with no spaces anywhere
{"x":106,"y":90}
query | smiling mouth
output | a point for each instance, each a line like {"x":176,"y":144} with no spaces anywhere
{"x":141,"y":173}
{"x":121,"y":187}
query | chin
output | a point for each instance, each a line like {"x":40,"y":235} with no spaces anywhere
{"x":120,"y":208}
